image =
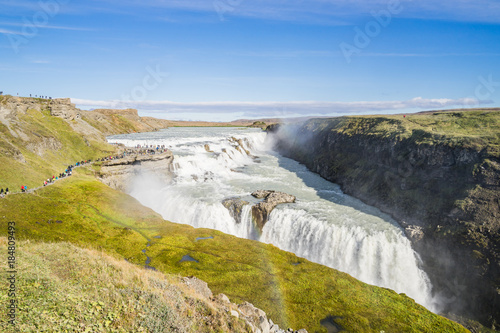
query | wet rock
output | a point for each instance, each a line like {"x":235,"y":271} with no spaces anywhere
{"x":207,"y":148}
{"x":239,"y":145}
{"x":235,"y":207}
{"x":414,"y":233}
{"x":262,"y":210}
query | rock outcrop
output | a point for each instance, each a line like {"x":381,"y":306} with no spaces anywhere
{"x":119,"y":173}
{"x":262,"y":210}
{"x":254,"y":317}
{"x":63,"y":108}
{"x":235,"y":207}
{"x":239,"y":145}
{"x":94,"y":125}
{"x":444,"y":191}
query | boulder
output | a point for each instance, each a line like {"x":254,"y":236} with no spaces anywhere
{"x":235,"y":206}
{"x":264,"y":324}
{"x":262,"y":210}
{"x":200,"y":286}
{"x":222,"y":298}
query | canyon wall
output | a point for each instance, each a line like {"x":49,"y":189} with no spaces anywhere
{"x":441,"y":185}
{"x":120,"y":173}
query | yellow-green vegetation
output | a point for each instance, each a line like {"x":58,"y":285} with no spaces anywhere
{"x":117,"y":120}
{"x":64,"y":288}
{"x":37,"y":146}
{"x":293,"y":291}
{"x":476,"y":129}
{"x":438,"y":170}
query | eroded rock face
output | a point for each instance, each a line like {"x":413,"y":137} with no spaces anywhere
{"x":448,"y":194}
{"x":63,"y":108}
{"x":262,"y":210}
{"x":119,"y":173}
{"x":235,"y":207}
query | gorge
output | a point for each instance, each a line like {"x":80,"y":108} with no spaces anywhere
{"x":324,"y":225}
{"x":189,"y":184}
{"x":437,"y":174}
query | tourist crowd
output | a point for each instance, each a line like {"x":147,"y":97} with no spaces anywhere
{"x":67,"y":172}
{"x":139,"y":150}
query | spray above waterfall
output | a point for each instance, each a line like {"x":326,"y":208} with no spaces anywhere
{"x":212,"y":165}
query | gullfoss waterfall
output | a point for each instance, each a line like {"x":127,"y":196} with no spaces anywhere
{"x":324,"y":225}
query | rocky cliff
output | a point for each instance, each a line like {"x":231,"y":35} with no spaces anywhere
{"x":437,"y":174}
{"x":120,"y":172}
{"x":40,"y":137}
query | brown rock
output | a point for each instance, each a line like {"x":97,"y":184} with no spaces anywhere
{"x":262,"y":210}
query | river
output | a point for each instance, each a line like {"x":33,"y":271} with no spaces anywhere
{"x":325,"y":225}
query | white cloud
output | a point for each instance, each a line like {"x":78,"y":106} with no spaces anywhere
{"x":44,"y":26}
{"x":280,"y":109}
{"x":330,"y":12}
{"x":8,"y":32}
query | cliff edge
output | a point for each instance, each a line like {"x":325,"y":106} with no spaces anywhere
{"x":438,"y":174}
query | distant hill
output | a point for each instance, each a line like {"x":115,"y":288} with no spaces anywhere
{"x":70,"y":287}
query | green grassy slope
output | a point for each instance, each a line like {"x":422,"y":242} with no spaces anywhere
{"x":477,"y":129}
{"x":87,"y":213}
{"x":48,"y":145}
{"x":64,"y":288}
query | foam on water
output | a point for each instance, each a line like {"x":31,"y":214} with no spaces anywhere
{"x":324,"y":226}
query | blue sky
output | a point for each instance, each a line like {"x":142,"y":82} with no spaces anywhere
{"x":227,"y":59}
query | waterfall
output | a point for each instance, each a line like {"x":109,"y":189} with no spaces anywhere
{"x":385,"y":259}
{"x":324,"y":226}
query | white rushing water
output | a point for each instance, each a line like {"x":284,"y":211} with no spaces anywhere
{"x":324,"y":225}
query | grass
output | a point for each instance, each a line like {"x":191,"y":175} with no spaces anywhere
{"x":44,"y":147}
{"x":293,"y":295}
{"x":64,"y":288}
{"x":476,"y":129}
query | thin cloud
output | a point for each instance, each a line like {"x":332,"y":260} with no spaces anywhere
{"x":9,"y":32}
{"x":428,"y":55}
{"x":42,"y":26}
{"x":329,"y":12}
{"x":281,"y":109}
{"x":287,"y":54}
